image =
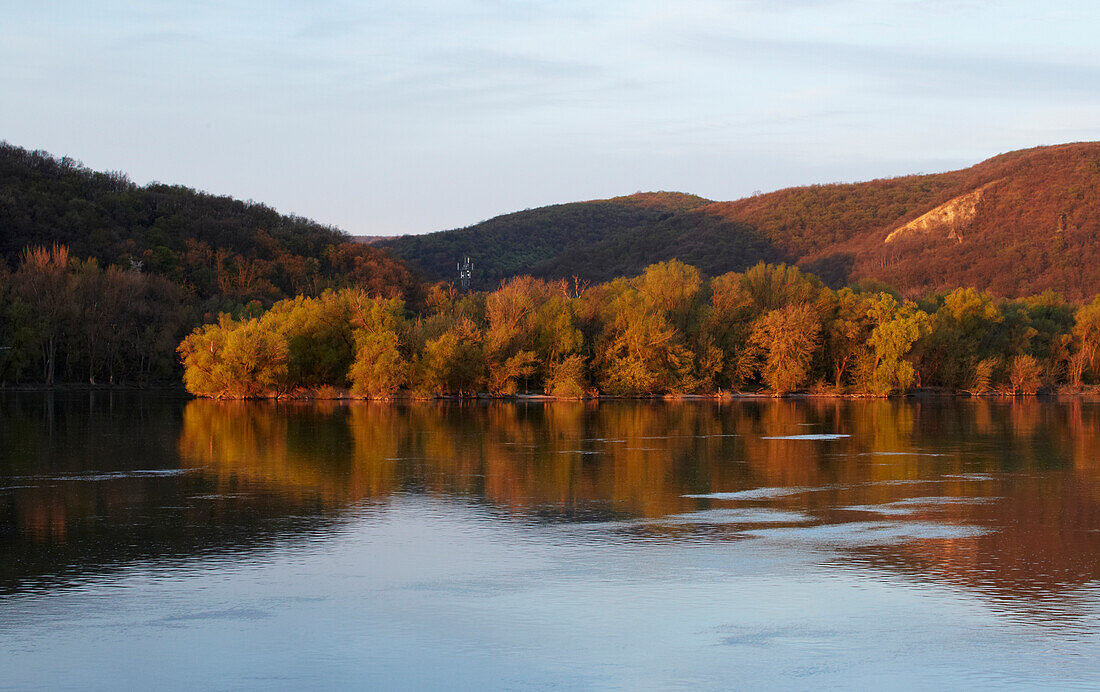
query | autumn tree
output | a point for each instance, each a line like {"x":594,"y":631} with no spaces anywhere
{"x":846,"y":330}
{"x":380,"y":368}
{"x":774,"y":286}
{"x":724,"y":329}
{"x":1025,"y":374}
{"x":1086,"y":343}
{"x":46,"y":285}
{"x":671,"y":288}
{"x":1050,"y":322}
{"x":511,"y":332}
{"x":786,"y":340}
{"x":454,"y":362}
{"x":558,"y":343}
{"x":318,"y":336}
{"x":639,"y":350}
{"x":567,"y":378}
{"x":234,"y":359}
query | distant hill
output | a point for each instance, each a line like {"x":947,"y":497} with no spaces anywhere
{"x":1016,"y":224}
{"x":522,"y":242}
{"x":215,"y":246}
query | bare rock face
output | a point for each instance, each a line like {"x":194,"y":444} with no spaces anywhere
{"x":947,"y":220}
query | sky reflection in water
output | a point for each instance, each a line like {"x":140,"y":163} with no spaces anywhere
{"x":156,"y":541}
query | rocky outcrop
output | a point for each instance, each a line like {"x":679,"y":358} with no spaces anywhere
{"x":947,"y":220}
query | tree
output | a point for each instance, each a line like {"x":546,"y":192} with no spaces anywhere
{"x":1025,"y":375}
{"x":846,"y":332}
{"x":234,"y":359}
{"x":640,"y":351}
{"x":318,"y":334}
{"x":510,"y":336}
{"x":380,"y":367}
{"x":724,"y":330}
{"x":558,"y":338}
{"x":453,"y":363}
{"x":786,"y":340}
{"x":44,"y":282}
{"x":503,"y":375}
{"x":774,"y":286}
{"x":897,"y":327}
{"x":962,"y":340}
{"x":1086,"y":342}
{"x":567,"y":378}
{"x":671,"y":288}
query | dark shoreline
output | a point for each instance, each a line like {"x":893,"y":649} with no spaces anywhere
{"x":177,"y":391}
{"x":67,"y":387}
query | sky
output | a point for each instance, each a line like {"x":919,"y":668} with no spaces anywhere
{"x":409,"y":116}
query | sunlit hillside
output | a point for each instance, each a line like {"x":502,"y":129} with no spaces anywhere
{"x":1015,"y":224}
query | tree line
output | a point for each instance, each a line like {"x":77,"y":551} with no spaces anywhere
{"x":667,"y":331}
{"x":63,"y":319}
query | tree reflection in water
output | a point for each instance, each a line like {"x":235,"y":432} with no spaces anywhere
{"x":997,"y":496}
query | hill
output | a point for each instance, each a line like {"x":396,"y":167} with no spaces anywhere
{"x":214,"y":246}
{"x":1016,"y":224}
{"x":517,"y":243}
{"x":101,"y":278}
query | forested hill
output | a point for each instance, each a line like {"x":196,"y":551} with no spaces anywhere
{"x":101,"y":278}
{"x":1016,"y":224}
{"x":522,"y":242}
{"x":213,"y":246}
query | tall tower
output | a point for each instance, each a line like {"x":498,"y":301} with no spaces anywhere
{"x":465,"y":272}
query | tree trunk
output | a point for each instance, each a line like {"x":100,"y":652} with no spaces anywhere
{"x":51,"y":358}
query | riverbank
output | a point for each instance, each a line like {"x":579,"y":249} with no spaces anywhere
{"x":162,"y":388}
{"x":342,"y":394}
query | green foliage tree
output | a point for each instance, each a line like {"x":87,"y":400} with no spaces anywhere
{"x":961,"y":348}
{"x":453,"y":363}
{"x":846,"y":331}
{"x":885,"y":369}
{"x":319,"y":338}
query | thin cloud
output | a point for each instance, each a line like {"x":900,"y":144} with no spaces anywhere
{"x":484,"y":78}
{"x":909,"y":72}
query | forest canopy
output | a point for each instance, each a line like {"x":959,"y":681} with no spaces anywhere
{"x":668,"y":331}
{"x":216,"y":248}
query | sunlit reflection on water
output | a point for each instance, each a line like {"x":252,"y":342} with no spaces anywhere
{"x":160,"y":542}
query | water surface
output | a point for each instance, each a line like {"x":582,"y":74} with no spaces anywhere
{"x":151,"y":541}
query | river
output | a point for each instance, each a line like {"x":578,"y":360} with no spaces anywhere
{"x":156,"y":542}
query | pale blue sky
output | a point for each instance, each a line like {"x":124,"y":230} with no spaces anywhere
{"x":411,"y":116}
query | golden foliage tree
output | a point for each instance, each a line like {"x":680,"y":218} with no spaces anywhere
{"x":786,"y":339}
